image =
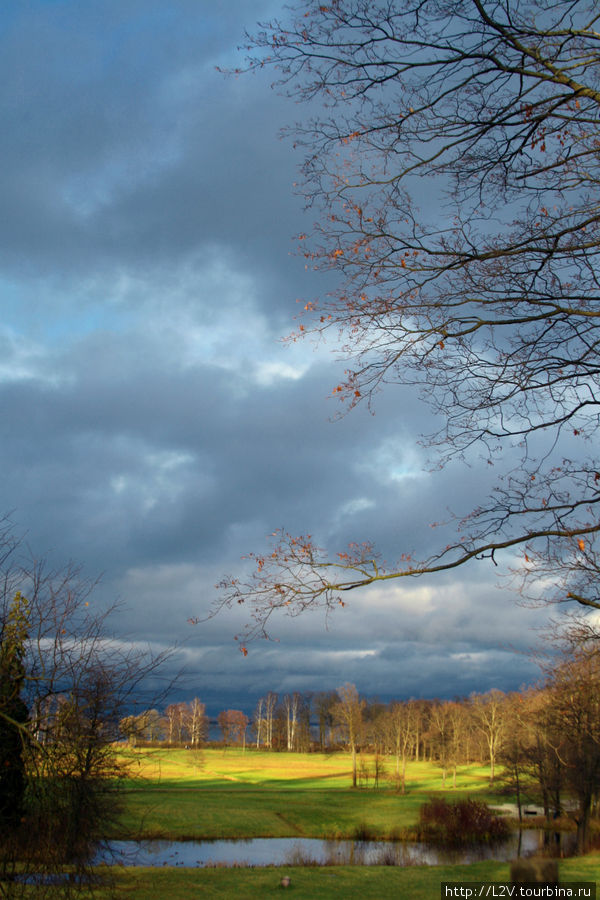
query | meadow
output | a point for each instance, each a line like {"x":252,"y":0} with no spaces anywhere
{"x":232,"y":793}
{"x":229,"y":793}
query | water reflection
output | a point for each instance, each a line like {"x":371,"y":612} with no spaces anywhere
{"x":303,"y":851}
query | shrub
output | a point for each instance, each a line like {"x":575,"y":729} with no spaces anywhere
{"x":460,"y":822}
{"x":364,"y":832}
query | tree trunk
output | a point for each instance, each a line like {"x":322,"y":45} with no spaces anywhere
{"x":518,"y":792}
{"x":583,"y":825}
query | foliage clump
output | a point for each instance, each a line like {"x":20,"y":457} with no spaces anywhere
{"x":460,"y":822}
{"x":13,"y":712}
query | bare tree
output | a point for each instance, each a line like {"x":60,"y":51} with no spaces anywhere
{"x":259,"y":721}
{"x":349,"y":714}
{"x":304,"y":737}
{"x":270,"y":706}
{"x":572,"y":725}
{"x":442,"y":734}
{"x":197,"y":724}
{"x":324,"y":703}
{"x":292,"y":709}
{"x":421,"y":720}
{"x":233,"y":724}
{"x":488,"y":304}
{"x":76,"y":681}
{"x":400,"y":721}
{"x":175,"y":714}
{"x":522,"y":754}
{"x":489,"y":715}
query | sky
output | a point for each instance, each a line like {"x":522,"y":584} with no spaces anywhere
{"x":155,"y":426}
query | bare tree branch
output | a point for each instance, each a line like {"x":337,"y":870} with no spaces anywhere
{"x":487,"y":304}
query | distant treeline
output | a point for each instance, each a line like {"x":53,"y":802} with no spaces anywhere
{"x":546,"y":736}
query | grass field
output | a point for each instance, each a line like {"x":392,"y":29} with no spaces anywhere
{"x":228,"y":794}
{"x":368,"y":883}
{"x":178,"y":794}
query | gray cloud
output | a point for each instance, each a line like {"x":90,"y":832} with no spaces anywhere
{"x":152,"y":425}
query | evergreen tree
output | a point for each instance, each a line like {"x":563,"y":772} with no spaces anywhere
{"x":13,"y":711}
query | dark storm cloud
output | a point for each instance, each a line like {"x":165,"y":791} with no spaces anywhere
{"x":163,"y":477}
{"x":392,"y":663}
{"x":152,"y":427}
{"x":122,"y":145}
{"x":161,"y":449}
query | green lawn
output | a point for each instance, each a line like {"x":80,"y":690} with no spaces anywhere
{"x":368,"y":883}
{"x":229,"y":794}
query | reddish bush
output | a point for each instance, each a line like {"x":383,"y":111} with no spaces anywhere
{"x":460,"y":822}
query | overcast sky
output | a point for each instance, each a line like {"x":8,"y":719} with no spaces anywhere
{"x":154,"y":426}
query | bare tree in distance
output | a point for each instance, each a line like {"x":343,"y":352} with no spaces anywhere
{"x":197,"y":722}
{"x":233,"y":724}
{"x":489,"y":714}
{"x":399,"y":723}
{"x":488,"y":302}
{"x":292,"y":709}
{"x":349,"y":715}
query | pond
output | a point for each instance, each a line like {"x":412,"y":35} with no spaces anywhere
{"x":300,"y":851}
